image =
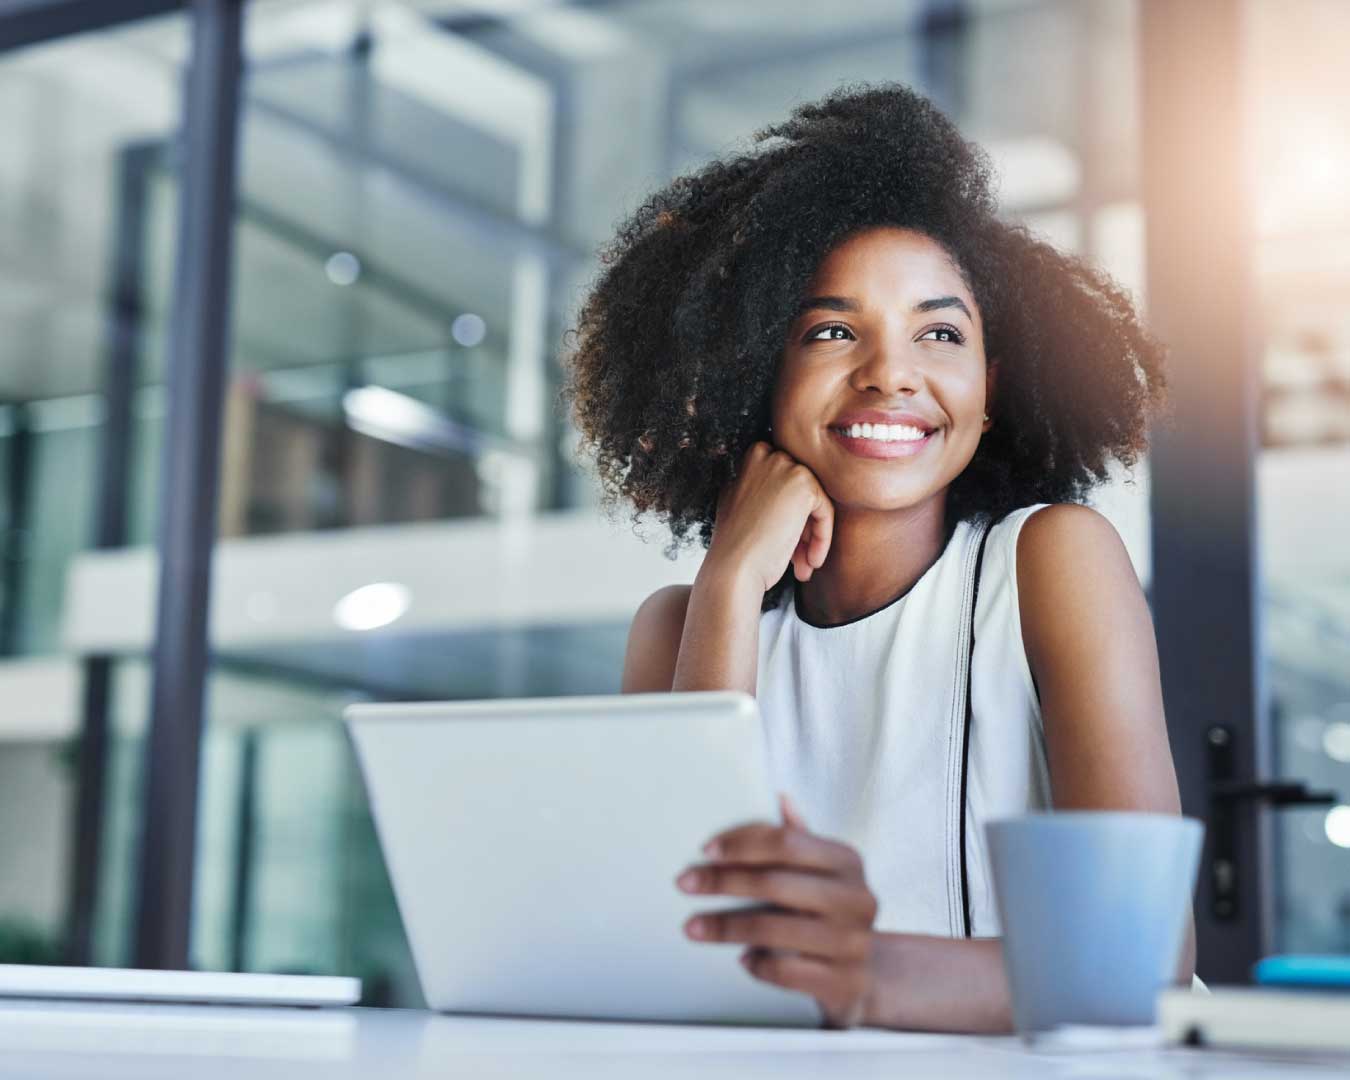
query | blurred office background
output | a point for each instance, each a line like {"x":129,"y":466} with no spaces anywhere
{"x":421,"y":190}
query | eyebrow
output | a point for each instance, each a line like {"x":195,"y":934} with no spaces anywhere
{"x":945,"y":302}
{"x":829,"y":303}
{"x":844,"y":303}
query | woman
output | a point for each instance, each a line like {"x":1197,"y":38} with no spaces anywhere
{"x":879,"y":407}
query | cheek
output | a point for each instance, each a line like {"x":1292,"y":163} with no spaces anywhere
{"x":795,"y":399}
{"x":792,"y":427}
{"x":963,"y":394}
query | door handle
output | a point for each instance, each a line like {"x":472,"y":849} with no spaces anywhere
{"x":1225,"y":793}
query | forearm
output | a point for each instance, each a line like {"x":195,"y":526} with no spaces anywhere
{"x":952,"y":984}
{"x":938,"y":984}
{"x":719,"y":648}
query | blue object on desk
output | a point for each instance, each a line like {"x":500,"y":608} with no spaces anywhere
{"x":1328,"y":972}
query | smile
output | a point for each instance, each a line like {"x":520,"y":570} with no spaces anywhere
{"x":882,"y":440}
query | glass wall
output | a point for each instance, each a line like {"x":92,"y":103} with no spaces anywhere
{"x":83,"y":117}
{"x":1301,"y":105}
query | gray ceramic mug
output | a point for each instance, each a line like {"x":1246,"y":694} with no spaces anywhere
{"x":1093,"y":907}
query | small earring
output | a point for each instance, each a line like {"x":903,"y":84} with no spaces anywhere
{"x":986,"y":418}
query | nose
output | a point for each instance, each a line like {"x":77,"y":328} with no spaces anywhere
{"x":888,"y":367}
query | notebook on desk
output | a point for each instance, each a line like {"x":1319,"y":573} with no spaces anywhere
{"x":1253,"y":1018}
{"x":210,"y":987}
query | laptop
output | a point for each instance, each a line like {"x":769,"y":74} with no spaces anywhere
{"x":533,"y":847}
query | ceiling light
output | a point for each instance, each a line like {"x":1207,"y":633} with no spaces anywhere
{"x":342,"y":268}
{"x":468,"y":329}
{"x":1338,"y":826}
{"x":372,"y":606}
{"x":1336,"y":741}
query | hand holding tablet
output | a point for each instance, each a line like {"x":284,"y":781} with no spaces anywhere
{"x":814,"y":931}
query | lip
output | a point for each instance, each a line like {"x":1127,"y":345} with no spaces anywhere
{"x":882,"y":416}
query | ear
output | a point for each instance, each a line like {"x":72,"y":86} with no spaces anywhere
{"x":990,"y":392}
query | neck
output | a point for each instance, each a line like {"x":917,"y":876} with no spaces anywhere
{"x":875,"y":556}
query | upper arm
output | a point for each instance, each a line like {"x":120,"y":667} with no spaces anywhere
{"x":654,"y":641}
{"x":1089,"y":640}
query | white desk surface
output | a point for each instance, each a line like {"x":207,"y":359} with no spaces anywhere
{"x":40,"y":1040}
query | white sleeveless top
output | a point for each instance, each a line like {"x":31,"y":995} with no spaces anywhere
{"x":863,"y":732}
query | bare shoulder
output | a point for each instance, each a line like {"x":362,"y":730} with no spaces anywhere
{"x":1075,"y":583}
{"x":1062,"y":527}
{"x":654,"y":640}
{"x":1067,"y":545}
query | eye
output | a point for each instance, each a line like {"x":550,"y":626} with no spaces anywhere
{"x":943,"y":333}
{"x":832,"y":332}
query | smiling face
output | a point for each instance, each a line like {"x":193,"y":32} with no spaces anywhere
{"x":882,"y":386}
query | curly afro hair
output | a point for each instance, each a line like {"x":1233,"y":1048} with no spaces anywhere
{"x":677,"y":346}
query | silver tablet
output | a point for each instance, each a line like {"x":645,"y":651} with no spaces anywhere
{"x":534,"y":844}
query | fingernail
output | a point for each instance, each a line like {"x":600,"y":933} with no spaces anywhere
{"x":695,"y":928}
{"x":688,"y":880}
{"x":712,"y":849}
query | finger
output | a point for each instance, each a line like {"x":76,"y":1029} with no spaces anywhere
{"x":755,"y":453}
{"x":776,"y":929}
{"x":791,"y":817}
{"x":800,"y":891}
{"x":809,"y":974}
{"x":762,"y":844}
{"x":822,"y":530}
{"x":801,"y":567}
{"x":839,"y":993}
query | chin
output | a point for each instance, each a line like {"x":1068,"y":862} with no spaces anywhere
{"x":850,"y":494}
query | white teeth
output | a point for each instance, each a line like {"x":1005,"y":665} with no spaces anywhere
{"x":885,"y":432}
